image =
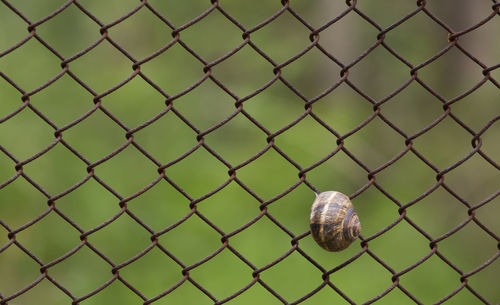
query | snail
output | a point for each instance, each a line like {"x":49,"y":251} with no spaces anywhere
{"x":334,"y":223}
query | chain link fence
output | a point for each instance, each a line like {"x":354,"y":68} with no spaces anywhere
{"x":168,"y":152}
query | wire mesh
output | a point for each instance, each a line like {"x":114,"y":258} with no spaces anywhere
{"x":163,"y":245}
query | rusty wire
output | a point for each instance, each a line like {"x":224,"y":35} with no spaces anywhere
{"x":315,"y":43}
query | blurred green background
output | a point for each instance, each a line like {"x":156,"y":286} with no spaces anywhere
{"x":377,"y":75}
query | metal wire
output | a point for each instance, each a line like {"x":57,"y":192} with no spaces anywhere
{"x":351,"y":8}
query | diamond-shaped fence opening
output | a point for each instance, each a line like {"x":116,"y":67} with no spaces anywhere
{"x":159,"y":152}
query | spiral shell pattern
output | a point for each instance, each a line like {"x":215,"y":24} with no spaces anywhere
{"x":334,"y":223}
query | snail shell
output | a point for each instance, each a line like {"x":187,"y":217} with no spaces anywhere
{"x":334,"y":223}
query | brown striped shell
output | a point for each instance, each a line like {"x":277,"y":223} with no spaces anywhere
{"x":334,"y":223}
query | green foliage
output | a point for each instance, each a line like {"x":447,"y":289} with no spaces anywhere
{"x":168,"y":138}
